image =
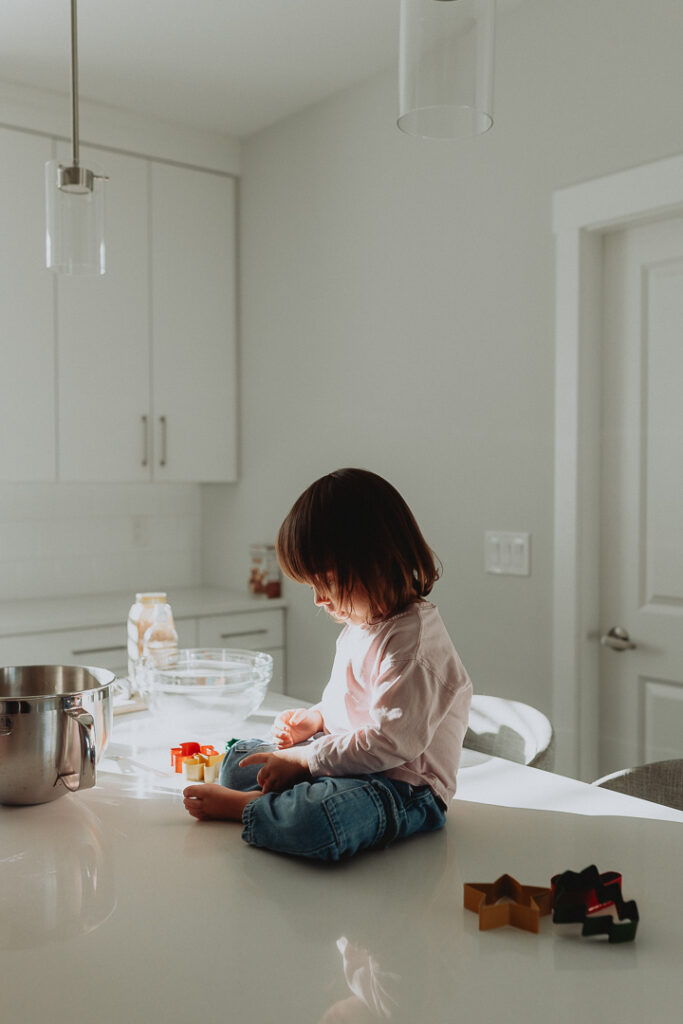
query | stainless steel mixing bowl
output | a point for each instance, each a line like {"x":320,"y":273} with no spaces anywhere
{"x":55,"y":722}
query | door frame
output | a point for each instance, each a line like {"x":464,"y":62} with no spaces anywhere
{"x":581,"y":216}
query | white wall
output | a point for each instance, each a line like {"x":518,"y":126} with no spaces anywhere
{"x":59,"y":539}
{"x":397,"y":313}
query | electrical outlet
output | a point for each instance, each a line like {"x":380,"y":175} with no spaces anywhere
{"x":507,"y":554}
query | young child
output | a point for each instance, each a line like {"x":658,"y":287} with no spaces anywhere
{"x":375,"y":760}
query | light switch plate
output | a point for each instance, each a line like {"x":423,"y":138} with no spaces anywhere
{"x":506,"y":553}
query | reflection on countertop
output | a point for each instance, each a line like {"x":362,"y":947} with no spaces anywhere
{"x":57,"y":873}
{"x":378,"y":956}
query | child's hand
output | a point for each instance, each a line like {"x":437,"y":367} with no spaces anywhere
{"x":282,"y":769}
{"x":295,"y":726}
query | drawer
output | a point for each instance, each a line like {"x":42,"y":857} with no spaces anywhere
{"x":187,"y":632}
{"x":105,"y":642}
{"x":104,"y":647}
{"x":253,"y":631}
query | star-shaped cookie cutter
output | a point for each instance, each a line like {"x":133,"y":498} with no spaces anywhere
{"x":505,"y":901}
{"x":578,"y":896}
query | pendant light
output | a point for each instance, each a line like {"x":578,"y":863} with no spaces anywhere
{"x":74,"y":199}
{"x":446,"y":68}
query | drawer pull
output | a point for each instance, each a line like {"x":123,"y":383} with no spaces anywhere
{"x":243,"y":632}
{"x":98,"y":650}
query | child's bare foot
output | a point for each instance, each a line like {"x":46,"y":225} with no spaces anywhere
{"x":212,"y":801}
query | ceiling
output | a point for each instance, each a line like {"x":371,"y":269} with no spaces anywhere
{"x":230,"y":66}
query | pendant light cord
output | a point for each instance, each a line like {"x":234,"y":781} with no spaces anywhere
{"x":74,"y":85}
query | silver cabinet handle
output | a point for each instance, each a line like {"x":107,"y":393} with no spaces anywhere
{"x":618,"y":640}
{"x":145,"y":440}
{"x":164,"y":439}
{"x":243,"y":632}
{"x":98,"y":650}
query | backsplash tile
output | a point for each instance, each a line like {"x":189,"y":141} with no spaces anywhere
{"x":59,"y":539}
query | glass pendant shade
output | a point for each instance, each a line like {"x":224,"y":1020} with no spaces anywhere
{"x":446,"y":67}
{"x":74,"y":198}
{"x":74,"y":205}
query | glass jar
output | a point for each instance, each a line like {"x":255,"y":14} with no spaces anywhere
{"x":264,"y":577}
{"x":160,"y":642}
{"x":140,"y":618}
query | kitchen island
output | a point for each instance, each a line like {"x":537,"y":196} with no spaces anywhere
{"x":116,"y":905}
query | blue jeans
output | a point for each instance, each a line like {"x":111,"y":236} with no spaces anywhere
{"x":330,"y":818}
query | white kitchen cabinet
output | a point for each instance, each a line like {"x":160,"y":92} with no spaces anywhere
{"x":103,"y":340}
{"x":193,"y":324}
{"x":101,"y":647}
{"x":147,"y":352}
{"x":27,"y":399}
{"x":92,"y":630}
{"x":130,"y":376}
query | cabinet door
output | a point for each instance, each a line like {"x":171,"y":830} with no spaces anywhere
{"x":252,"y":631}
{"x":103,"y":339}
{"x":27,"y":402}
{"x":193,"y":293}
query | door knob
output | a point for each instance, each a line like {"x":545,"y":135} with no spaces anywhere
{"x":618,"y":640}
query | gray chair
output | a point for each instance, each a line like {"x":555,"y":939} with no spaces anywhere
{"x":660,"y":781}
{"x":509,"y":729}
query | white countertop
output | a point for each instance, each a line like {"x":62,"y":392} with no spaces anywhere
{"x":37,"y":615}
{"x":116,"y":905}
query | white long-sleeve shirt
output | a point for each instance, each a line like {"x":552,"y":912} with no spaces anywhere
{"x":397,"y":702}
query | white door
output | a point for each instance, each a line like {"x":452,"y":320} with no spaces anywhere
{"x":641,"y":539}
{"x":103,"y":343}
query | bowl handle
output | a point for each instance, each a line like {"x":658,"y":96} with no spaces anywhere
{"x":86,"y":776}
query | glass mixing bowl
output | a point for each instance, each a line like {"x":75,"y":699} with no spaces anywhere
{"x":217,"y":679}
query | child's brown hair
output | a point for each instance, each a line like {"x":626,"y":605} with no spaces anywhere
{"x":353,"y":526}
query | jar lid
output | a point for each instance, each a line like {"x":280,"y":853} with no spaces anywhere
{"x":151,"y":598}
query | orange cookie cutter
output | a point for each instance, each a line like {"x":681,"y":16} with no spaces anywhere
{"x":506,"y":901}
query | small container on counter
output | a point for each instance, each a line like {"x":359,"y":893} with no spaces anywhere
{"x":142,"y":615}
{"x":264,"y":577}
{"x":160,"y":642}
